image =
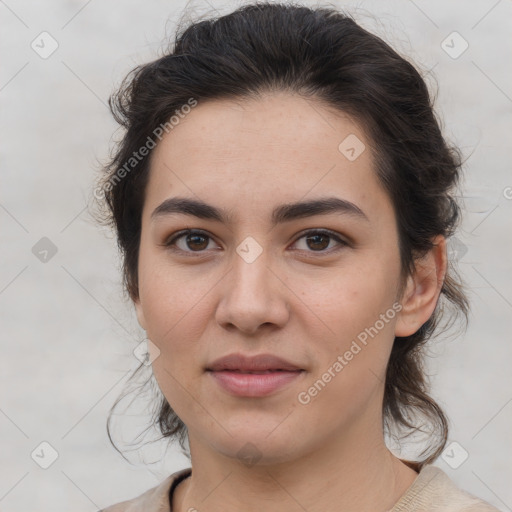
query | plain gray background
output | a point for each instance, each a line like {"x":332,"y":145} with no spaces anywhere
{"x":67,"y":335}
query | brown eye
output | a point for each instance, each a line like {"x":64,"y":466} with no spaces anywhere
{"x":194,"y":241}
{"x":319,"y":241}
{"x":190,"y":241}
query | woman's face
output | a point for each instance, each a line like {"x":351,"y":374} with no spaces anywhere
{"x":256,"y":282}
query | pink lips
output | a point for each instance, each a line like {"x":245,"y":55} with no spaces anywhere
{"x":253,"y":376}
{"x":246,"y":384}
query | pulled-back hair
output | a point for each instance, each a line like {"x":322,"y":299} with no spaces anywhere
{"x":321,"y":54}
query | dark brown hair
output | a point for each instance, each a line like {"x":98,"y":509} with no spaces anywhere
{"x":321,"y":54}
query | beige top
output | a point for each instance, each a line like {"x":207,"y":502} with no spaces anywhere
{"x":432,"y":491}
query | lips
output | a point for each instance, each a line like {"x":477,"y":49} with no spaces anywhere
{"x":252,"y":372}
{"x":249,"y":385}
{"x":258,"y":364}
{"x":254,"y":376}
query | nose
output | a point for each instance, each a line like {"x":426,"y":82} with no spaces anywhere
{"x":253,"y":296}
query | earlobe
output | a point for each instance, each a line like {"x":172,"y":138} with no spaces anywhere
{"x":422,"y":290}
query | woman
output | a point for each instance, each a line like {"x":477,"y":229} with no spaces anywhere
{"x":282,"y":198}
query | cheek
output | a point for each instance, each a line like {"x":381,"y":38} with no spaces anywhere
{"x":350,"y":299}
{"x":174,"y":324}
{"x":171,"y":304}
{"x":359,"y":309}
{"x":174,"y":321}
{"x":167,"y":294}
{"x":350,"y":366}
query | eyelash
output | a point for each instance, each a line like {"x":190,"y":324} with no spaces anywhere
{"x":171,"y":241}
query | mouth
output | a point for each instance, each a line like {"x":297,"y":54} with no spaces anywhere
{"x":253,"y":384}
{"x":260,"y":363}
{"x":255,"y":372}
{"x":253,"y":375}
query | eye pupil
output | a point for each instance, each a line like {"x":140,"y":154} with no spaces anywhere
{"x":316,"y":241}
{"x":194,"y":236}
{"x":317,"y":236}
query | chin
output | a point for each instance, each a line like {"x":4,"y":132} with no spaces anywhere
{"x":256,"y":446}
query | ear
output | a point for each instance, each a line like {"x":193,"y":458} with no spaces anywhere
{"x":140,"y":313}
{"x":422,"y":290}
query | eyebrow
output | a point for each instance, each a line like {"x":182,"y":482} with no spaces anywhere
{"x":282,"y":213}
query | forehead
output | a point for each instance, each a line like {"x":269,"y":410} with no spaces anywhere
{"x":261,"y":152}
{"x":284,"y":123}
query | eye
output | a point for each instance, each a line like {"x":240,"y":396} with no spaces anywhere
{"x":193,"y":241}
{"x":318,"y":240}
{"x":196,"y":241}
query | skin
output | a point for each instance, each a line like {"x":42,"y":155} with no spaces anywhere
{"x":302,"y":301}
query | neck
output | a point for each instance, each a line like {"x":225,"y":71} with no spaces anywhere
{"x":348,"y":473}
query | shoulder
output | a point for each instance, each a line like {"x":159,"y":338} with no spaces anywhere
{"x":433,"y":490}
{"x":155,"y":499}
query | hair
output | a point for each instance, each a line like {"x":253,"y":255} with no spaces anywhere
{"x":320,"y":54}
